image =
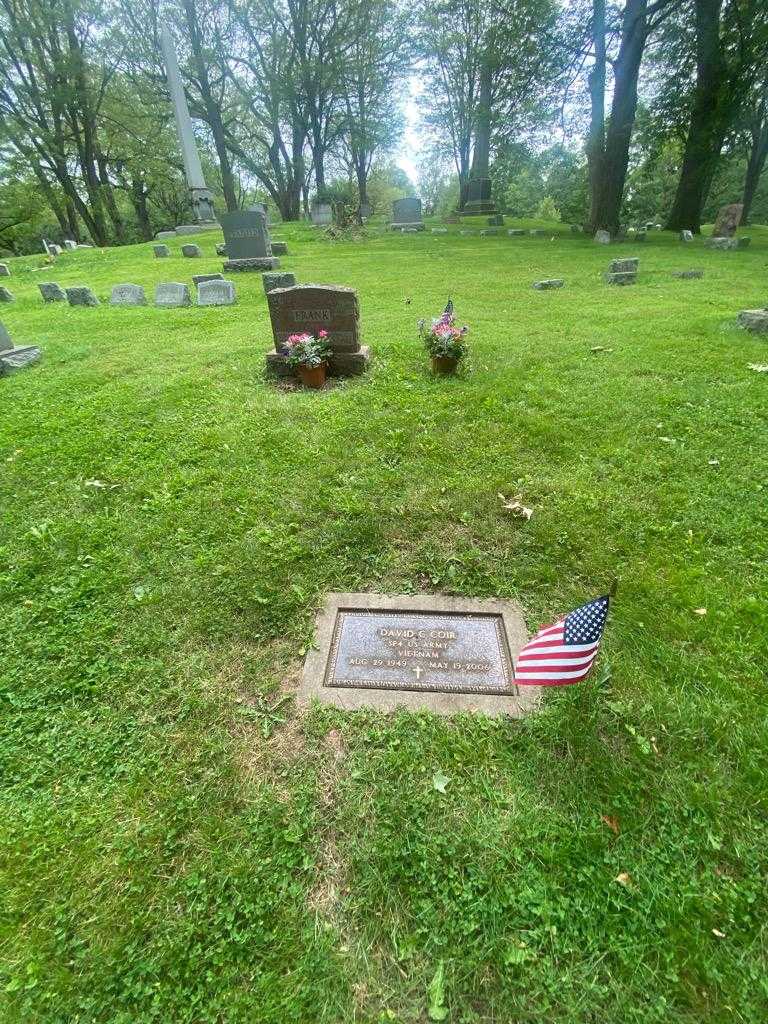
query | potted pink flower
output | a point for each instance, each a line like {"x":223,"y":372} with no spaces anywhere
{"x":308,"y":355}
{"x":445,"y":342}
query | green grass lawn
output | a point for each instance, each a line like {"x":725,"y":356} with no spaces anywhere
{"x":177,"y":845}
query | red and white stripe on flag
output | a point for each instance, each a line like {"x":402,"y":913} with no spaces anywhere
{"x":564,"y":652}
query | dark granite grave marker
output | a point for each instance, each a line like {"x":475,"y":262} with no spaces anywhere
{"x":444,"y":654}
{"x":406,"y":213}
{"x":247,"y":240}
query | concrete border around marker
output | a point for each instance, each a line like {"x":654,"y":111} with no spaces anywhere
{"x":387,"y":701}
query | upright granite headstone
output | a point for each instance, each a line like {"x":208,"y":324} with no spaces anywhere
{"x":81,"y":296}
{"x":247,"y":241}
{"x":127,"y":295}
{"x":4,"y":270}
{"x":5,"y":295}
{"x":190,"y":250}
{"x":321,"y":214}
{"x":603,"y":237}
{"x":52,"y":292}
{"x":161,"y":251}
{"x":215,"y":293}
{"x":628,"y":265}
{"x":279,"y":248}
{"x":170,"y":294}
{"x":728,"y":220}
{"x":311,"y":308}
{"x":406,"y":213}
{"x":278,"y":280}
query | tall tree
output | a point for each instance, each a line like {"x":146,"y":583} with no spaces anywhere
{"x":608,"y":144}
{"x":731,"y":48}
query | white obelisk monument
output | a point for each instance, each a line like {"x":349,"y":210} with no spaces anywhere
{"x":201,"y":195}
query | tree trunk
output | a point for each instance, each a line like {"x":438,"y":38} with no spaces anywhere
{"x":596,"y":139}
{"x":139,"y":196}
{"x":756,"y":163}
{"x":611,"y":168}
{"x":708,"y":124}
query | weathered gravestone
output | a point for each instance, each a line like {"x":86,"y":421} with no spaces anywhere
{"x":278,"y":280}
{"x":190,"y":250}
{"x":720,"y":242}
{"x":170,"y":294}
{"x":515,"y":232}
{"x":496,"y":221}
{"x":161,"y":251}
{"x":447,"y":655}
{"x":621,"y":277}
{"x":279,"y":248}
{"x":216,"y":293}
{"x":552,"y":282}
{"x":70,"y":244}
{"x":754,"y":320}
{"x":52,"y":292}
{"x":537,"y":232}
{"x":406,"y":214}
{"x":5,"y":295}
{"x":4,"y":270}
{"x":321,"y":214}
{"x":165,"y":235}
{"x":603,"y":237}
{"x":247,"y":241}
{"x":311,"y":308}
{"x":728,"y":220}
{"x":686,"y":235}
{"x":627,"y":265}
{"x":439,"y":231}
{"x":687,"y":275}
{"x":54,"y":250}
{"x":489,"y":231}
{"x":12,"y":358}
{"x":127,"y":295}
{"x":81,"y":296}
{"x":197,"y":279}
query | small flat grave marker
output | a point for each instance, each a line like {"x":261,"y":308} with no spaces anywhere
{"x":190,"y":250}
{"x":552,"y":282}
{"x":688,"y":275}
{"x":161,"y":251}
{"x":443,"y":654}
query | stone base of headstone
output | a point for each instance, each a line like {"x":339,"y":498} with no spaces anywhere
{"x":194,"y":229}
{"x":688,"y":275}
{"x":414,"y":226}
{"x":621,"y":277}
{"x":14,"y":359}
{"x":340,"y":364}
{"x":279,"y":248}
{"x":257,"y":264}
{"x":754,"y":320}
{"x":554,"y":282}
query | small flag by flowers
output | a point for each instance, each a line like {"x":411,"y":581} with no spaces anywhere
{"x":565,"y":652}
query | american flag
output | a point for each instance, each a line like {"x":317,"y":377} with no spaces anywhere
{"x":564,"y":653}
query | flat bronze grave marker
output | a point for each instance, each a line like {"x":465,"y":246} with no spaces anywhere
{"x":442,"y":654}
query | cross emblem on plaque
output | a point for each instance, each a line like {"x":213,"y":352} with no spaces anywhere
{"x":418,"y":670}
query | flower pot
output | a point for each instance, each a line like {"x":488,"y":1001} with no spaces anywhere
{"x":444,"y":365}
{"x":312,"y":376}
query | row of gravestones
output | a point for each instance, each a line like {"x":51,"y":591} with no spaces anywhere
{"x":620,"y":272}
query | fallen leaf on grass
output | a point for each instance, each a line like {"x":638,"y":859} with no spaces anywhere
{"x":758,"y":367}
{"x":699,"y":611}
{"x":437,"y":1010}
{"x":716,"y":932}
{"x":612,"y":823}
{"x":624,"y":879}
{"x":516,"y":506}
{"x":440,"y":781}
{"x":714,"y":462}
{"x":600,"y":348}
